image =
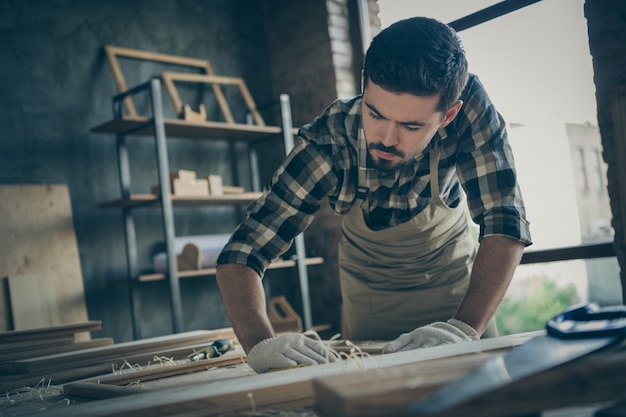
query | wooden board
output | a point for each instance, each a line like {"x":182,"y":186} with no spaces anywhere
{"x":46,"y":334}
{"x":389,"y":391}
{"x":278,"y":390}
{"x":156,"y":371}
{"x":110,"y":354}
{"x":43,"y":307}
{"x":85,"y":363}
{"x":31,"y":352}
{"x":38,"y":239}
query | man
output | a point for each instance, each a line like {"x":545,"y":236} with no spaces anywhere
{"x":394,"y":162}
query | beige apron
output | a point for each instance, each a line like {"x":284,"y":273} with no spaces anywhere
{"x":397,"y":279}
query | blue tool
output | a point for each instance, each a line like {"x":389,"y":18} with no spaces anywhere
{"x":215,"y":349}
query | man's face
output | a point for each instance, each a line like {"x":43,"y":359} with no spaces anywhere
{"x":398,"y":126}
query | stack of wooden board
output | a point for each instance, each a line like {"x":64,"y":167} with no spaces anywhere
{"x":22,"y":344}
{"x":41,"y":282}
{"x":285,"y":390}
{"x":90,"y":360}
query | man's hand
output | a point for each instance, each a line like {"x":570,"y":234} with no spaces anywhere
{"x":288,"y":351}
{"x":435,"y":334}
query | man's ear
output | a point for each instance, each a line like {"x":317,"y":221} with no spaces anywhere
{"x":451,"y":113}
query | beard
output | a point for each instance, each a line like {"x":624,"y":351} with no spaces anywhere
{"x":386,"y":165}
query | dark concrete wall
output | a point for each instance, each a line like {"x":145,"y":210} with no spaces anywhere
{"x":56,"y":86}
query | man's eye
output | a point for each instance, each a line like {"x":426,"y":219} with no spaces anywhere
{"x":411,"y":128}
{"x":375,"y":116}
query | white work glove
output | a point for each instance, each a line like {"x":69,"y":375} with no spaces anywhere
{"x":434,"y":334}
{"x":288,"y":351}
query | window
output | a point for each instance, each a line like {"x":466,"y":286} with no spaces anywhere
{"x":581,"y":172}
{"x":529,"y":69}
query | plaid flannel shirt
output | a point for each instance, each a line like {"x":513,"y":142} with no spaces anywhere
{"x":475,"y":156}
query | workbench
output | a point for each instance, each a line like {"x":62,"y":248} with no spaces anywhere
{"x":368,"y":385}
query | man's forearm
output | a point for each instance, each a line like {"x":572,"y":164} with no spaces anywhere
{"x":495,"y":263}
{"x":244,"y":299}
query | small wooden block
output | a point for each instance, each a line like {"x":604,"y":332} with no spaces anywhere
{"x":190,"y":258}
{"x":283,"y":317}
{"x":192,"y":116}
{"x":193,"y":188}
{"x":184,"y":175}
{"x":216,"y":188}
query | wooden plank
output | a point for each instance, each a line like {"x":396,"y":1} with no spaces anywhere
{"x":44,"y":302}
{"x":11,"y":382}
{"x":45,"y":334}
{"x":117,"y":351}
{"x":388,"y":390}
{"x":278,"y":390}
{"x":379,"y":393}
{"x":94,"y":391}
{"x":9,"y":348}
{"x":156,"y":371}
{"x":31,"y":352}
{"x":38,"y":238}
{"x":109,"y":358}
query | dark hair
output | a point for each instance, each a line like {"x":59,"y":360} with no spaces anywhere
{"x":421,"y":56}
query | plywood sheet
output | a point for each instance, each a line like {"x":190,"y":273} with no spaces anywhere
{"x":38,"y":240}
{"x":43,"y":306}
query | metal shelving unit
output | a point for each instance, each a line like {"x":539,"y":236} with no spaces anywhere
{"x":158,"y":128}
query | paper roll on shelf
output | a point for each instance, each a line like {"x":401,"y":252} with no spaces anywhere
{"x":209,"y":248}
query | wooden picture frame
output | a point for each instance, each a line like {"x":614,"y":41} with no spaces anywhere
{"x":114,"y":52}
{"x":215,"y":80}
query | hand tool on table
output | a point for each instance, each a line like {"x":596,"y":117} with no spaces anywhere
{"x":215,"y":349}
{"x":575,"y":332}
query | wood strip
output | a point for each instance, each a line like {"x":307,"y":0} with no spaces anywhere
{"x":155,"y":371}
{"x":279,"y":390}
{"x":157,"y":57}
{"x":8,"y":348}
{"x":118,"y":78}
{"x":54,"y":349}
{"x":93,"y":391}
{"x":98,"y":355}
{"x":11,"y":382}
{"x":45,"y":333}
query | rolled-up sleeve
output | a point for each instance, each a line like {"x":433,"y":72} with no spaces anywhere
{"x":486,"y":168}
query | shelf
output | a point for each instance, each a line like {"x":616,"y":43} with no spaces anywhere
{"x":141,"y":125}
{"x":211,"y":271}
{"x":138,"y":200}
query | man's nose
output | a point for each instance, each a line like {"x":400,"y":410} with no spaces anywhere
{"x":390,"y":135}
